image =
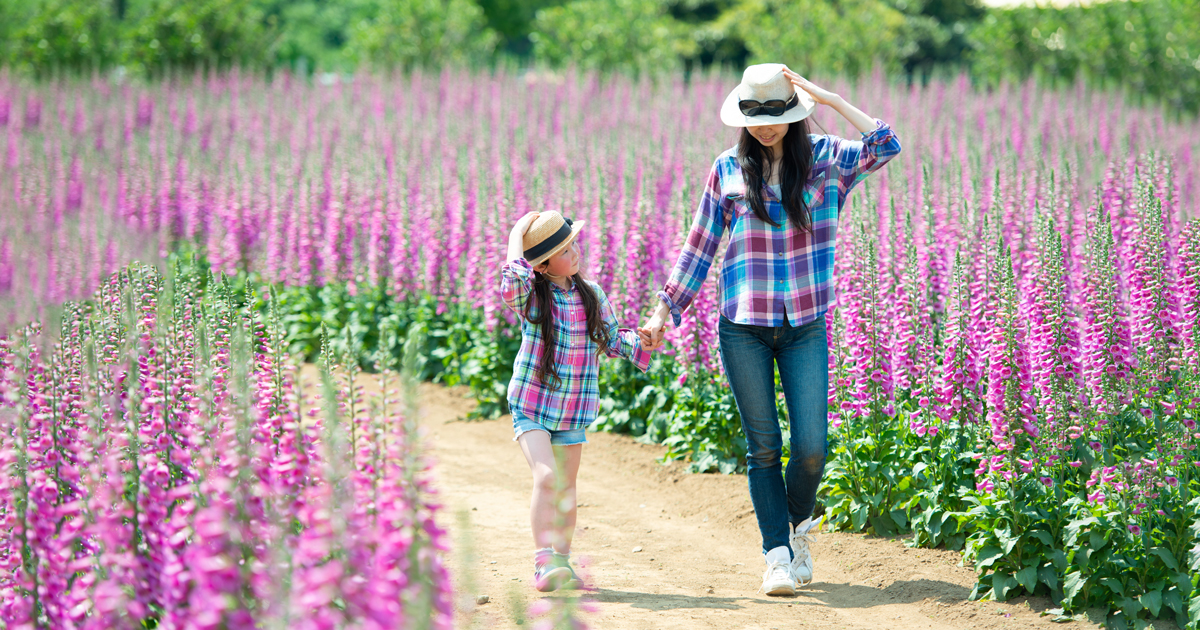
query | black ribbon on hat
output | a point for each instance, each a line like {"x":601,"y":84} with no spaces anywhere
{"x":550,"y":242}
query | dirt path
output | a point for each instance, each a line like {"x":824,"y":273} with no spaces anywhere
{"x":699,"y":564}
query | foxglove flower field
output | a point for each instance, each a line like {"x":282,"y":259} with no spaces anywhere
{"x":162,"y":468}
{"x":1014,"y":358}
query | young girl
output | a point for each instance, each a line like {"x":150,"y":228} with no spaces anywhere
{"x":566,"y":323}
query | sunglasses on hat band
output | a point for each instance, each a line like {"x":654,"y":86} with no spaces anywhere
{"x":773,"y":107}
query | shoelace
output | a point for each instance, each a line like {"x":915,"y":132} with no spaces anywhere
{"x":801,"y":550}
{"x":776,"y":566}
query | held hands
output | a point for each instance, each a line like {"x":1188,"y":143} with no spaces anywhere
{"x":651,"y":334}
{"x":820,"y":95}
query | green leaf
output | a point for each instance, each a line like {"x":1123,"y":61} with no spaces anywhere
{"x":933,"y":523}
{"x":1152,"y":600}
{"x":1001,"y":585}
{"x":1027,"y":577}
{"x":1182,"y":581}
{"x":1097,"y":540}
{"x":1074,"y":527}
{"x":1043,"y":536}
{"x":1073,"y":584}
{"x":883,"y":525}
{"x":858,"y":517}
{"x":1007,"y":540}
{"x":1049,"y":576}
{"x":1167,"y":557}
{"x":1194,"y":607}
{"x":987,"y":556}
{"x":1173,"y":600}
{"x":1113,"y":585}
{"x":1083,"y":557}
{"x":1059,"y":615}
{"x":1130,"y":606}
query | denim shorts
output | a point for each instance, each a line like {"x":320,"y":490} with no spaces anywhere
{"x":522,"y":424}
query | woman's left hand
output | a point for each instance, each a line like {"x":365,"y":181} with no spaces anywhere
{"x":820,"y":95}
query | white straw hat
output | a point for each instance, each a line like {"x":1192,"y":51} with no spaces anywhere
{"x":765,"y":82}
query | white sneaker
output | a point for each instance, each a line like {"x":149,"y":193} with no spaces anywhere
{"x":800,"y":537}
{"x":778,"y":578}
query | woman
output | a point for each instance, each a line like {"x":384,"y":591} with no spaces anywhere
{"x":779,"y":193}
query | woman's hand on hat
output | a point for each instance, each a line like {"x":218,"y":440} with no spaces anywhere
{"x":820,"y":95}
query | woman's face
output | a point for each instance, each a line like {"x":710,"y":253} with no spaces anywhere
{"x":769,"y":135}
{"x":564,"y":263}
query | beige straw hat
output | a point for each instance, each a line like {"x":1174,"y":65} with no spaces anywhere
{"x":762,"y":83}
{"x":549,"y":234}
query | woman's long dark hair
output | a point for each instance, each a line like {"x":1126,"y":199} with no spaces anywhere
{"x":794,"y":169}
{"x":547,"y":370}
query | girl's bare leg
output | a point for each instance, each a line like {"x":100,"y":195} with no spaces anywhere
{"x":554,"y":469}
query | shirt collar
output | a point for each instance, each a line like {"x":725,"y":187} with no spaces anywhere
{"x":554,"y":285}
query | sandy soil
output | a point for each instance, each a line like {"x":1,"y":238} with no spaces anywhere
{"x":666,"y":549}
{"x":699,"y":564}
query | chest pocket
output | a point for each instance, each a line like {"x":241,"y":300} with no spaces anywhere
{"x":737,"y":206}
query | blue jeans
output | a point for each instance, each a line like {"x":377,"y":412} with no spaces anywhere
{"x":750,"y":354}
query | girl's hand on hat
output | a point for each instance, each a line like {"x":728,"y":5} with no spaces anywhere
{"x":524,"y":222}
{"x":820,"y":95}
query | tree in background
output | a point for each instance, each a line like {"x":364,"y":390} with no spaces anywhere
{"x":817,"y":36}
{"x":198,"y":33}
{"x":1151,"y":47}
{"x":934,"y":34}
{"x":513,"y":22}
{"x":313,"y":34}
{"x":423,"y":33}
{"x":60,"y":35}
{"x":716,"y":44}
{"x":610,"y":35}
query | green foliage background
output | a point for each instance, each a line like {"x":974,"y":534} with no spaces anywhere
{"x":1149,"y":47}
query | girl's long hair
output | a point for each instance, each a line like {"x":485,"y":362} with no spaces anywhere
{"x":547,"y":369}
{"x":794,"y":170}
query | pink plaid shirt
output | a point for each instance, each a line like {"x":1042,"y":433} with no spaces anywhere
{"x":770,"y":273}
{"x":574,"y":404}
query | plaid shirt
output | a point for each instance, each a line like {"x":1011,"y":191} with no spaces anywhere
{"x":574,"y":404}
{"x":771,"y":272}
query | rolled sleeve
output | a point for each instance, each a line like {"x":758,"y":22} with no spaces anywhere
{"x":622,"y":342}
{"x":676,"y":312}
{"x":855,"y":160}
{"x":630,"y":347}
{"x":516,"y":284}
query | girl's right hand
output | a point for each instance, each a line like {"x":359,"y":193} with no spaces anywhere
{"x":524,"y":222}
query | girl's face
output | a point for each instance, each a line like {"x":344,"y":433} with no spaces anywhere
{"x":769,"y":135}
{"x":564,"y":263}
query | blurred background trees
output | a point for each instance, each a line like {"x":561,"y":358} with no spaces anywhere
{"x":1152,"y":47}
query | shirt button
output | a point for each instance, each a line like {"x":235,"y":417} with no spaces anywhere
{"x":780,"y":253}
